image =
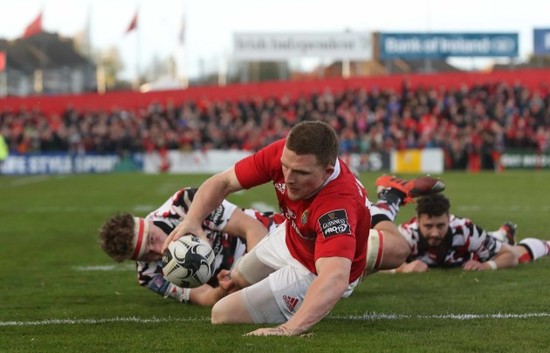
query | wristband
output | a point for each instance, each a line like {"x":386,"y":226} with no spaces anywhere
{"x":492,"y":264}
{"x":186,"y":295}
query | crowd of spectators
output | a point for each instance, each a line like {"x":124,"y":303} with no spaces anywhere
{"x":482,"y":120}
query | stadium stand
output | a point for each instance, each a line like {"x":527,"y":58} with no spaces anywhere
{"x":472,"y":117}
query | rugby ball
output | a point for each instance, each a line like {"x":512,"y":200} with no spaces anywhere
{"x":188,"y":262}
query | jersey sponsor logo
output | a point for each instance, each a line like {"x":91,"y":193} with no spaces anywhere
{"x":334,"y":222}
{"x":217,"y":215}
{"x":216,"y":240}
{"x":290,"y":302}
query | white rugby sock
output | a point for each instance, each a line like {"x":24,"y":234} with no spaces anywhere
{"x":387,"y":207}
{"x":499,"y":234}
{"x":384,"y":211}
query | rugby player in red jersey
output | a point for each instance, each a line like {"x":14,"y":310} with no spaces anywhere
{"x":296,"y":275}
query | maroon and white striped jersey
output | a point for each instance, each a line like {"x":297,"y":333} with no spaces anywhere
{"x":464,"y":241}
{"x":226,"y":247}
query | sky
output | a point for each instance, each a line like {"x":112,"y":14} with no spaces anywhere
{"x":210,"y":24}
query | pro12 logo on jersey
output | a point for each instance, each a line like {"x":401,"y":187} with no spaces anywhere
{"x":334,"y":222}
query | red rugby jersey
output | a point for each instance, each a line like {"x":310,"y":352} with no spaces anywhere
{"x":333,"y":222}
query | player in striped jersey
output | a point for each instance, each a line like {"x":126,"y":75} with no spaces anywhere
{"x":229,"y":229}
{"x":438,"y":238}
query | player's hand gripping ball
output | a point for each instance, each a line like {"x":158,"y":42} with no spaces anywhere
{"x":188,"y":262}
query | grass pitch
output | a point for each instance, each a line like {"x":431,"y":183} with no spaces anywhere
{"x":60,"y":293}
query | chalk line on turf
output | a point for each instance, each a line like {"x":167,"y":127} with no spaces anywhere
{"x":363,"y":317}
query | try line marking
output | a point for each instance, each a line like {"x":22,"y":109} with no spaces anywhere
{"x":154,"y":320}
{"x":364,"y":317}
{"x":382,"y":316}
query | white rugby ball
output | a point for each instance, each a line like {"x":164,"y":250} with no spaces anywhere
{"x":188,"y":262}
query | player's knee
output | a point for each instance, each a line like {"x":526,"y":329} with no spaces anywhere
{"x":396,"y":244}
{"x":219,"y":314}
{"x":238,"y":280}
{"x":385,"y":250}
{"x":230,"y":309}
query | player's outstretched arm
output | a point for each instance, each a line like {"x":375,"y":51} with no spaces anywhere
{"x":209,"y":196}
{"x":413,"y":266}
{"x":207,"y":295}
{"x":507,"y":257}
{"x":244,"y":226}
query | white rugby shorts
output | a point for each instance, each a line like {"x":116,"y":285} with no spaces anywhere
{"x":275,"y":298}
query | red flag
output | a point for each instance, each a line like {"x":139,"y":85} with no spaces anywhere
{"x":133,"y":23}
{"x":2,"y":61}
{"x":34,"y":27}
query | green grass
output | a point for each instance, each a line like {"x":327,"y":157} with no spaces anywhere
{"x":50,"y":300}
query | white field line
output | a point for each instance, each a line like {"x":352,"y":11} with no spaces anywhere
{"x":153,"y":320}
{"x":141,"y":210}
{"x":145,"y":209}
{"x":23,"y":181}
{"x":500,"y":208}
{"x":364,"y":317}
{"x":118,"y":267}
{"x":263,"y":207}
{"x":381,"y":316}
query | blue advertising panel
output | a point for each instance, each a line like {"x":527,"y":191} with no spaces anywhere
{"x":541,"y":39}
{"x":443,"y":45}
{"x":65,"y":163}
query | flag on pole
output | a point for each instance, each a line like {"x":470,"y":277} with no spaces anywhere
{"x":34,"y":27}
{"x":181,"y":35}
{"x":133,"y":24}
{"x":2,"y":61}
{"x":82,"y":38}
